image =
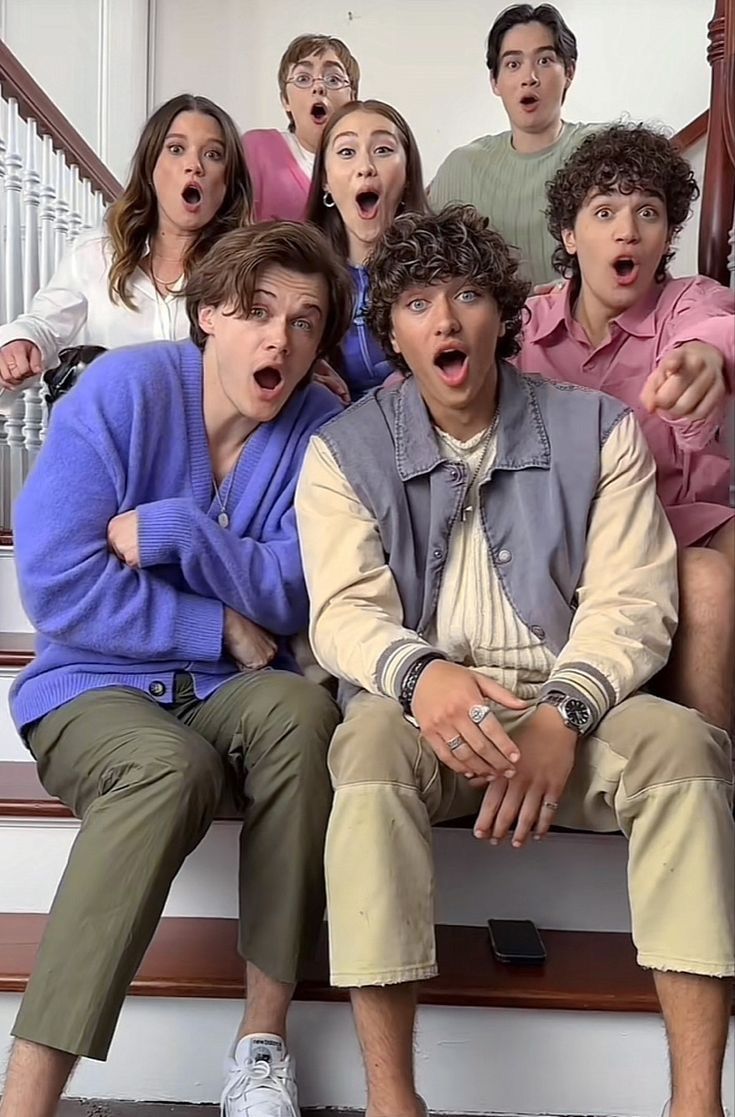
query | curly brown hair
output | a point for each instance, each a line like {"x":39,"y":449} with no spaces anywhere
{"x":622,"y":158}
{"x":419,"y":249}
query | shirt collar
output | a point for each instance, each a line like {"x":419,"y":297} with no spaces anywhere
{"x":522,"y":440}
{"x":638,"y":320}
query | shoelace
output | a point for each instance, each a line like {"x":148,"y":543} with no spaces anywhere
{"x":269,"y":1079}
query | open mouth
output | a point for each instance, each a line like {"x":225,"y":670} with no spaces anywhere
{"x":367,"y":203}
{"x":268,"y":378}
{"x":192,"y":195}
{"x":626,"y":269}
{"x":529,"y":100}
{"x":319,"y":112}
{"x":452,"y":365}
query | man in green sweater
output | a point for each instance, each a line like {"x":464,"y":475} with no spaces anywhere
{"x":531,"y":55}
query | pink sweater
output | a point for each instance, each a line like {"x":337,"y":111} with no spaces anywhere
{"x":280,"y":186}
{"x":693,"y":464}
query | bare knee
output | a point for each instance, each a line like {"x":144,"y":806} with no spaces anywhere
{"x":706,"y":589}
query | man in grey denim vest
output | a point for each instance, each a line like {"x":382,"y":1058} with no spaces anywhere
{"x":493,"y":580}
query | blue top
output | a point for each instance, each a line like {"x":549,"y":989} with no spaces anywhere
{"x":365,"y":364}
{"x":131,"y":436}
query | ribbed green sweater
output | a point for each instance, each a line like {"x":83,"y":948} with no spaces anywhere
{"x":509,"y":189}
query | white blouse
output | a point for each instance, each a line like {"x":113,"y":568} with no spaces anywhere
{"x":75,"y":309}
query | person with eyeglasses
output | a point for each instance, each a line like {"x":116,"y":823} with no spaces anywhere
{"x":317,"y":74}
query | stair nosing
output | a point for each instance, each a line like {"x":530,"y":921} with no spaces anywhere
{"x":469,"y":977}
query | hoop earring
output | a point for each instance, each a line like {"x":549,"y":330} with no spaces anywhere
{"x":328,"y":200}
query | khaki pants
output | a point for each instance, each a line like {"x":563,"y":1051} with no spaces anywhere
{"x":147,"y":781}
{"x":654,"y":770}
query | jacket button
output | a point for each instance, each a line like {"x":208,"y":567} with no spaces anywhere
{"x":537,"y":630}
{"x":454,"y":474}
{"x":504,"y":556}
{"x":157,"y":689}
{"x":437,"y":553}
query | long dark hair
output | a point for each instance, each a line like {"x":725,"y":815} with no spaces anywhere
{"x":413,"y":200}
{"x":133,"y":218}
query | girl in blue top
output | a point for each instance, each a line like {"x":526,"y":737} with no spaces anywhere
{"x":367,"y":170}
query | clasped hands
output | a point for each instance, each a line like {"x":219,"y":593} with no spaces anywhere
{"x":524,"y":777}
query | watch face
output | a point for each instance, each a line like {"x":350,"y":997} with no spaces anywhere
{"x":576,"y":713}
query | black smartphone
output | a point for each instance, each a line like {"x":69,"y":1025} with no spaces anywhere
{"x":517,"y":942}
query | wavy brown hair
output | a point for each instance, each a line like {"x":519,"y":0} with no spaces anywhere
{"x":418,"y":250}
{"x":133,"y":218}
{"x":413,"y":199}
{"x":622,"y":158}
{"x":228,"y":274}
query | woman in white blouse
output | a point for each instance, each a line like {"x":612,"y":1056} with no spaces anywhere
{"x":119,"y":284}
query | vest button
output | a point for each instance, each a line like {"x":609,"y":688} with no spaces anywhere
{"x":537,"y":630}
{"x":504,"y":556}
{"x":157,"y":689}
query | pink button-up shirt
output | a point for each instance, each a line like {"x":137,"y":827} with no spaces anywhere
{"x":692,"y":457}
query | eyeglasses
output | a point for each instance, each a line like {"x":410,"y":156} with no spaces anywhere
{"x":331,"y":81}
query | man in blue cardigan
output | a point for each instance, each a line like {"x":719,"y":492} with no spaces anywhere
{"x":159,"y":563}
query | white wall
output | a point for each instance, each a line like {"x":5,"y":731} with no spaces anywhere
{"x":97,"y":61}
{"x":90,"y":56}
{"x":427,"y":58}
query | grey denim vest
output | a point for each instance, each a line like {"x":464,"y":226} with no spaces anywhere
{"x":535,"y":502}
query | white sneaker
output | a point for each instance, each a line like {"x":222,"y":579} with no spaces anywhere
{"x":260,"y":1080}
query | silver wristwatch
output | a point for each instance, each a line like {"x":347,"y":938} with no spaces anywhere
{"x":575,"y":713}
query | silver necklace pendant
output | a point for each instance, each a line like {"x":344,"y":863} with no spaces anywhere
{"x":223,"y":519}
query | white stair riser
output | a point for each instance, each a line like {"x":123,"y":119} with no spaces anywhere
{"x":500,"y":1061}
{"x":11,"y":746}
{"x":571,"y":882}
{"x":12,"y":616}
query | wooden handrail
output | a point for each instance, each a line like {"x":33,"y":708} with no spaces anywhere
{"x":693,"y":132}
{"x":718,"y":194}
{"x":33,"y":103}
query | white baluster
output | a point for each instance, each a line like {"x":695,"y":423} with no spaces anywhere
{"x":90,"y":207}
{"x":75,"y":211}
{"x":101,"y":207}
{"x":47,"y":212}
{"x":31,"y":201}
{"x":34,"y":422}
{"x":4,"y":477}
{"x":17,"y":457}
{"x":13,"y":248}
{"x":61,"y":216}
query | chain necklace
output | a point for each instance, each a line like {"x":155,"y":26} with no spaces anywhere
{"x":222,"y":518}
{"x":223,"y":495}
{"x":469,"y":508}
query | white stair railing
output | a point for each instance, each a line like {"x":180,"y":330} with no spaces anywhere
{"x":47,"y":198}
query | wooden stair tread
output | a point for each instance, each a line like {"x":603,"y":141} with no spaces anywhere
{"x":16,"y":648}
{"x":585,"y":971}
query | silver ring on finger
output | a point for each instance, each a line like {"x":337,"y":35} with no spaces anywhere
{"x":455,"y":743}
{"x":479,"y":713}
{"x":550,"y":806}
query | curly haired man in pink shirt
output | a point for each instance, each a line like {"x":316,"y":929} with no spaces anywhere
{"x":664,"y":346}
